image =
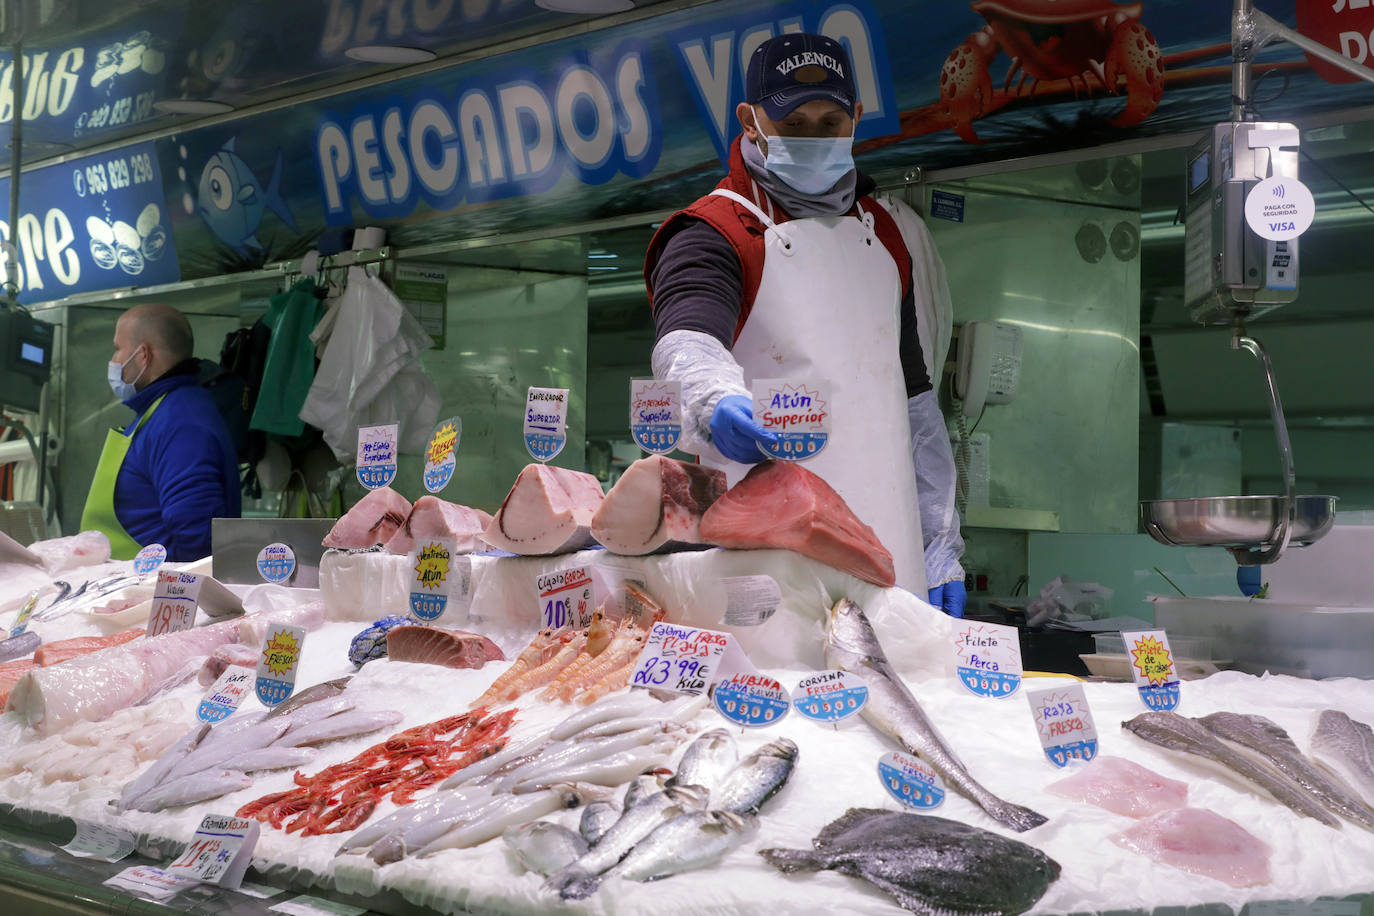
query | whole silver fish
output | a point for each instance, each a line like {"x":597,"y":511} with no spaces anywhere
{"x":195,"y":787}
{"x":270,"y":758}
{"x":691,"y":841}
{"x":156,"y":773}
{"x":1347,"y":747}
{"x":756,"y":778}
{"x":344,"y":725}
{"x":1270,"y":741}
{"x":1179,"y":733}
{"x":544,"y":847}
{"x":513,"y":753}
{"x":550,"y":761}
{"x":634,"y":704}
{"x":642,"y":786}
{"x":707,"y":761}
{"x":219,"y":747}
{"x":502,"y":811}
{"x":852,"y":645}
{"x":582,"y":877}
{"x":613,"y":770}
{"x":408,"y":817}
{"x":319,"y":691}
{"x":597,"y":818}
{"x":309,"y":713}
{"x":444,"y":812}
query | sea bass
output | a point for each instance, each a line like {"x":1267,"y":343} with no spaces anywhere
{"x":694,"y":840}
{"x":1266,"y":738}
{"x":707,"y":761}
{"x":597,"y":818}
{"x":1346,"y":746}
{"x":544,"y":847}
{"x":757,"y":778}
{"x":852,"y":645}
{"x":1179,"y":733}
{"x":928,"y":864}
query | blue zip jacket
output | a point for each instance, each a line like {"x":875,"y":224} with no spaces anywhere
{"x":180,"y":471}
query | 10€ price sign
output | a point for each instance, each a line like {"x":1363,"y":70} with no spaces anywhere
{"x":987,"y":658}
{"x":174,"y":602}
{"x":1064,"y":723}
{"x":546,"y":422}
{"x":1152,"y":668}
{"x":656,"y":414}
{"x":680,"y":659}
{"x":278,"y":663}
{"x":219,"y":852}
{"x":566,"y":598}
{"x":797,"y":412}
{"x":377,"y":455}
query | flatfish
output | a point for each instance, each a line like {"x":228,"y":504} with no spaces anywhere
{"x":928,"y":864}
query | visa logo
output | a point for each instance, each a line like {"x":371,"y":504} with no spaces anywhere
{"x":1282,"y":227}
{"x":714,"y":58}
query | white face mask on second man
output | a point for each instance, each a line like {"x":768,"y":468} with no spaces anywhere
{"x":811,"y":165}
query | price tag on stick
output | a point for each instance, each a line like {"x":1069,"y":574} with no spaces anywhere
{"x":226,"y":694}
{"x":440,"y":454}
{"x":681,"y":659}
{"x":149,"y":559}
{"x":656,"y":414}
{"x":278,"y":663}
{"x":377,"y":455}
{"x":174,"y":602}
{"x":1064,"y":723}
{"x":1152,"y":668}
{"x":546,"y":422}
{"x":566,"y":598}
{"x":987,"y":658}
{"x":830,"y":696}
{"x":219,"y":852}
{"x":754,"y":701}
{"x":910,"y":781}
{"x":798,"y":412}
{"x":277,"y":563}
{"x":434,"y":575}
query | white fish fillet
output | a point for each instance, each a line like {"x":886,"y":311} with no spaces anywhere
{"x":657,"y":504}
{"x":1122,"y":787}
{"x":1201,"y":842}
{"x":549,"y":510}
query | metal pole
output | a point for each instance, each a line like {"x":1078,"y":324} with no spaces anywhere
{"x":1242,"y":52}
{"x":16,"y":161}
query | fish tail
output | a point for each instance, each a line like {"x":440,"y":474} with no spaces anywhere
{"x":272,"y":197}
{"x":1016,"y":817}
{"x":573,"y":883}
{"x":790,"y":860}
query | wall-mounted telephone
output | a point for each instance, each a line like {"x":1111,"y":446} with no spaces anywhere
{"x":989,"y":366}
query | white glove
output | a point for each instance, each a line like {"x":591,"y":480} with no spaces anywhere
{"x":935,"y":484}
{"x":707,"y":372}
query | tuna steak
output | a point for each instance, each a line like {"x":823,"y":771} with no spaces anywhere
{"x":928,"y":864}
{"x":440,"y":646}
{"x":549,"y":510}
{"x":374,"y":520}
{"x":657,"y":506}
{"x":780,"y":504}
{"x":432,"y":517}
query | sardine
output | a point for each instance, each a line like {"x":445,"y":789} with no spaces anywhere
{"x":707,"y":761}
{"x":1266,"y":738}
{"x":502,"y":811}
{"x":929,"y":864}
{"x":582,"y":877}
{"x":156,"y":773}
{"x":691,"y":841}
{"x":344,"y":725}
{"x":311,"y":694}
{"x":544,"y":847}
{"x":613,"y":770}
{"x":757,"y":778}
{"x":597,"y":818}
{"x":1178,"y":733}
{"x":852,"y":645}
{"x":1346,"y":747}
{"x":195,"y":787}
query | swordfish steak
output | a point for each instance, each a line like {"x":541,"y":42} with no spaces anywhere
{"x":374,"y":520}
{"x":549,"y":510}
{"x":657,"y":505}
{"x":432,"y":517}
{"x":780,"y":504}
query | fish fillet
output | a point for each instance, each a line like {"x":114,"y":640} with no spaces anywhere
{"x":1122,"y":787}
{"x":780,"y":504}
{"x":441,"y":646}
{"x":549,"y":510}
{"x":657,"y":505}
{"x":54,"y":653}
{"x":1202,"y":842}
{"x":1346,"y":747}
{"x":374,"y":520}
{"x":432,"y":517}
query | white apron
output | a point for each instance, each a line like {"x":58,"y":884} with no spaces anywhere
{"x":828,"y":307}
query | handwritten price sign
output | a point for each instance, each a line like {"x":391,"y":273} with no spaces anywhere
{"x":751,"y":700}
{"x":566,"y":598}
{"x":656,"y":414}
{"x":219,"y":852}
{"x":798,"y":412}
{"x":278,"y":663}
{"x":1064,"y":723}
{"x":226,"y":695}
{"x":546,"y":422}
{"x":1152,"y":667}
{"x":907,"y":779}
{"x":987,"y":658}
{"x":680,"y":659}
{"x":174,"y":602}
{"x":440,"y":454}
{"x":276,"y":563}
{"x":377,"y":455}
{"x":830,"y":696}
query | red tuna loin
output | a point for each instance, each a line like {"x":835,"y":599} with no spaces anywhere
{"x":549,"y":510}
{"x":440,"y":646}
{"x":780,"y":504}
{"x":657,"y":504}
{"x":374,"y":520}
{"x":432,"y":517}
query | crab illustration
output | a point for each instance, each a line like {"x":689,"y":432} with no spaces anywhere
{"x":1076,"y":40}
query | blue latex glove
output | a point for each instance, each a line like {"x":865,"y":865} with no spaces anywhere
{"x":1249,"y":579}
{"x":950,"y":598}
{"x":734,"y":432}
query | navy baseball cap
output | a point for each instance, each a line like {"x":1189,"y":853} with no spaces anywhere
{"x":788,"y":70}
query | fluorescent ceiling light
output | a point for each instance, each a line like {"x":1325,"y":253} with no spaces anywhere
{"x":390,"y":54}
{"x":191,"y":106}
{"x":585,"y":6}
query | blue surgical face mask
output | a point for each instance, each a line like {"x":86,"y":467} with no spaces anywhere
{"x":811,"y":165}
{"x":115,"y":373}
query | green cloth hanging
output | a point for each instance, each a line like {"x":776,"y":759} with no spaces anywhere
{"x":290,"y":366}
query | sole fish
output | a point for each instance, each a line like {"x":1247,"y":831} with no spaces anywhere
{"x":1179,"y":733}
{"x":685,"y":843}
{"x":1347,"y":747}
{"x":1266,"y":738}
{"x":852,"y":645}
{"x":930,"y":865}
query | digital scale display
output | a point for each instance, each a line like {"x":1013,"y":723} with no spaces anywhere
{"x":32,"y":353}
{"x":1199,"y":170}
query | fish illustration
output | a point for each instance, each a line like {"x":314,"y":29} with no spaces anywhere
{"x":232,"y":200}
